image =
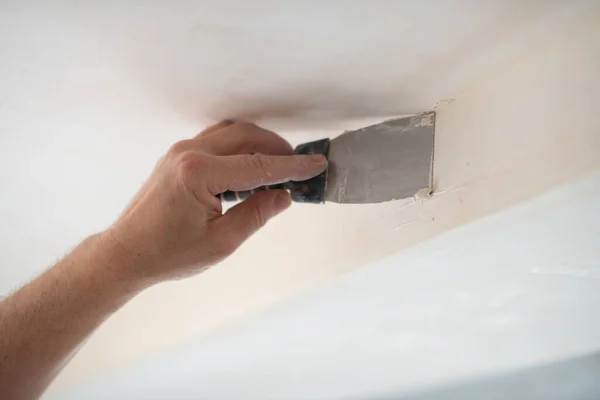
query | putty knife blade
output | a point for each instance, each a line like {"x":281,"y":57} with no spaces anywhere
{"x":387,"y":161}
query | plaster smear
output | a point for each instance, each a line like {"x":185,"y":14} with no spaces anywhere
{"x":529,"y":127}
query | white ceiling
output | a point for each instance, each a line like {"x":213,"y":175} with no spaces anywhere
{"x":312,"y":60}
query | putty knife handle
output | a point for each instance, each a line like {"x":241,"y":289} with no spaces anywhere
{"x":310,"y":191}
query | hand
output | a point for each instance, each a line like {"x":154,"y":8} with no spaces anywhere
{"x":174,"y":227}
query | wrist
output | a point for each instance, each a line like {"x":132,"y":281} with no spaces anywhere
{"x":115,"y":264}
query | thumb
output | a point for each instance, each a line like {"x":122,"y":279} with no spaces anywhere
{"x":245,"y":218}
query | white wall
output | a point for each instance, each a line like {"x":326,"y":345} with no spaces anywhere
{"x":519,"y":289}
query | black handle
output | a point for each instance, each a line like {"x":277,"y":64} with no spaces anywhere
{"x":310,"y":191}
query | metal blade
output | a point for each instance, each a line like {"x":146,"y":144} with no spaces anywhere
{"x":388,"y":161}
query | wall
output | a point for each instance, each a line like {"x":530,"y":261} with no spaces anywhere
{"x":495,"y":307}
{"x":92,"y":95}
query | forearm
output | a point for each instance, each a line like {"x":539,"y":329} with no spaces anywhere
{"x":174,"y":227}
{"x":42,"y":324}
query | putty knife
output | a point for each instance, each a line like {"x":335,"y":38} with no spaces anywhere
{"x":388,"y":161}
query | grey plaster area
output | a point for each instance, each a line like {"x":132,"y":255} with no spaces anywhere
{"x":388,"y":161}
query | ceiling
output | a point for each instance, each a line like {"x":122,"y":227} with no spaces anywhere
{"x":92,"y":94}
{"x":305,"y":62}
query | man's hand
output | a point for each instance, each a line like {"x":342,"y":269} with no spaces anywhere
{"x":174,"y":226}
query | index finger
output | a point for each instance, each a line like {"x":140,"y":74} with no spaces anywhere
{"x":244,"y":138}
{"x":249,"y":171}
{"x":215,"y":128}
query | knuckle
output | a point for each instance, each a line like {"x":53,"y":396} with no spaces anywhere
{"x":259,"y":161}
{"x":248,"y":129}
{"x":258,"y":217}
{"x":180,"y":147}
{"x":245,"y":125}
{"x":189,"y":163}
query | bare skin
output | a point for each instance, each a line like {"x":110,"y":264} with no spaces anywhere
{"x":173,"y":228}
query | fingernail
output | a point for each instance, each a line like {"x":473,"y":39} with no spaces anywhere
{"x":282,"y":200}
{"x":318,"y":158}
